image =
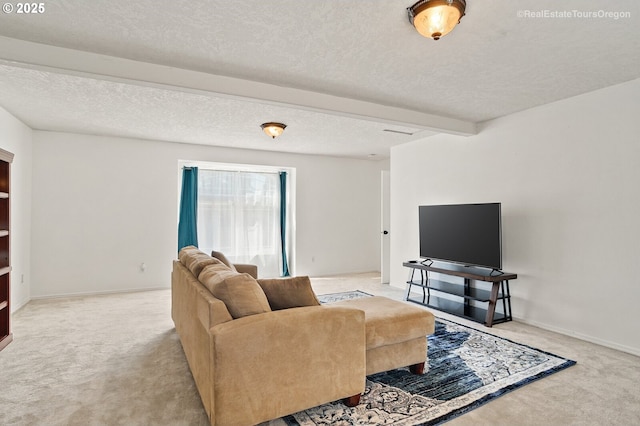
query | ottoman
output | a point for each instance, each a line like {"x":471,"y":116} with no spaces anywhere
{"x":395,"y":333}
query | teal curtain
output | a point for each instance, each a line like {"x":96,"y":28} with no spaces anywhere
{"x":283,"y":222}
{"x":187,"y":224}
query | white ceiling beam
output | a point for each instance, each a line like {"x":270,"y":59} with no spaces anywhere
{"x":92,"y":65}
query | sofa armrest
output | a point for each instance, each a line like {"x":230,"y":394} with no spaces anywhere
{"x":248,"y":269}
{"x":269,"y":365}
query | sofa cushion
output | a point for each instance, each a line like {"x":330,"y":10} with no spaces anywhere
{"x":221,"y":257}
{"x":292,"y":292}
{"x":185,"y":251}
{"x":390,"y":321}
{"x":214,"y":274}
{"x":240,"y":292}
{"x":197,"y":261}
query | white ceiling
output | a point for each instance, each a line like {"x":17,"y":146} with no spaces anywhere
{"x":337,"y":72}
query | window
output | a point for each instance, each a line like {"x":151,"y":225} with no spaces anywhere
{"x":239,"y":215}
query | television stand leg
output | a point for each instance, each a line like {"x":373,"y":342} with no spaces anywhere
{"x":491,"y":310}
{"x":410,"y":283}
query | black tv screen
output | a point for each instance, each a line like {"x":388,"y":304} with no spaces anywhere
{"x":469,"y":234}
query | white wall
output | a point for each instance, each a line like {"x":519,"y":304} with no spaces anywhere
{"x":16,"y":137}
{"x":104,"y":205}
{"x":567,"y":175}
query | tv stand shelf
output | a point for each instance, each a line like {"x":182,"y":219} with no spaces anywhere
{"x":466,"y":299}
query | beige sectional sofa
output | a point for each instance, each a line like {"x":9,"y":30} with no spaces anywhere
{"x":260,"y":349}
{"x":251,"y":363}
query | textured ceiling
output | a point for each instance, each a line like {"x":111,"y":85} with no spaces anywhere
{"x":493,"y":64}
{"x":67,"y":103}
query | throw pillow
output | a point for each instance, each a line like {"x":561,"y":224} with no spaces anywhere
{"x":293,"y":292}
{"x":241,"y":294}
{"x":222,"y":258}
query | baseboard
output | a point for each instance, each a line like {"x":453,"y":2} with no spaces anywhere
{"x":570,"y":333}
{"x":97,"y":293}
{"x":20,"y":305}
{"x":581,"y":336}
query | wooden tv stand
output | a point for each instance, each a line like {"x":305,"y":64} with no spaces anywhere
{"x":469,"y":298}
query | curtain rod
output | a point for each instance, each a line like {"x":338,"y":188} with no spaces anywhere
{"x":234,"y":171}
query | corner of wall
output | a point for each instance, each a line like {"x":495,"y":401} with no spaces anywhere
{"x":17,"y":138}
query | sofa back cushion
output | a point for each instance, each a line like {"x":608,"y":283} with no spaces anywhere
{"x":292,"y":292}
{"x":197,"y":262}
{"x":241,"y":293}
{"x":185,"y":251}
{"x":214,"y":274}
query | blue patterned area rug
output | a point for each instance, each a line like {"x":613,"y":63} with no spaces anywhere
{"x":345,"y":295}
{"x":466,"y":369}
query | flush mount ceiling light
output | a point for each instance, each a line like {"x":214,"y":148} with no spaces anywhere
{"x":273,"y":129}
{"x":436,"y":18}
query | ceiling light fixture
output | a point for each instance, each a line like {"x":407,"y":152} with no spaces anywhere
{"x":436,"y":18}
{"x":273,"y":129}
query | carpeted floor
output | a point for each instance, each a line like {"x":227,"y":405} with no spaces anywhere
{"x":99,"y":360}
{"x":116,"y":360}
{"x":466,"y":368}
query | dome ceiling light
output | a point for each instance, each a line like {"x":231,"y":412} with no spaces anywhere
{"x":273,"y":129}
{"x":436,"y":18}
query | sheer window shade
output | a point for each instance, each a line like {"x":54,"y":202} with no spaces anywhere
{"x":239,"y":215}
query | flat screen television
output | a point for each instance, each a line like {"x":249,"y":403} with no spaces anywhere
{"x":468,"y":234}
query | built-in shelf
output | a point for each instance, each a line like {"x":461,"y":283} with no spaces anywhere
{"x":5,"y":251}
{"x":4,"y":341}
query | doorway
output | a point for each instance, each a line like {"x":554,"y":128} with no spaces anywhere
{"x":385,"y":236}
